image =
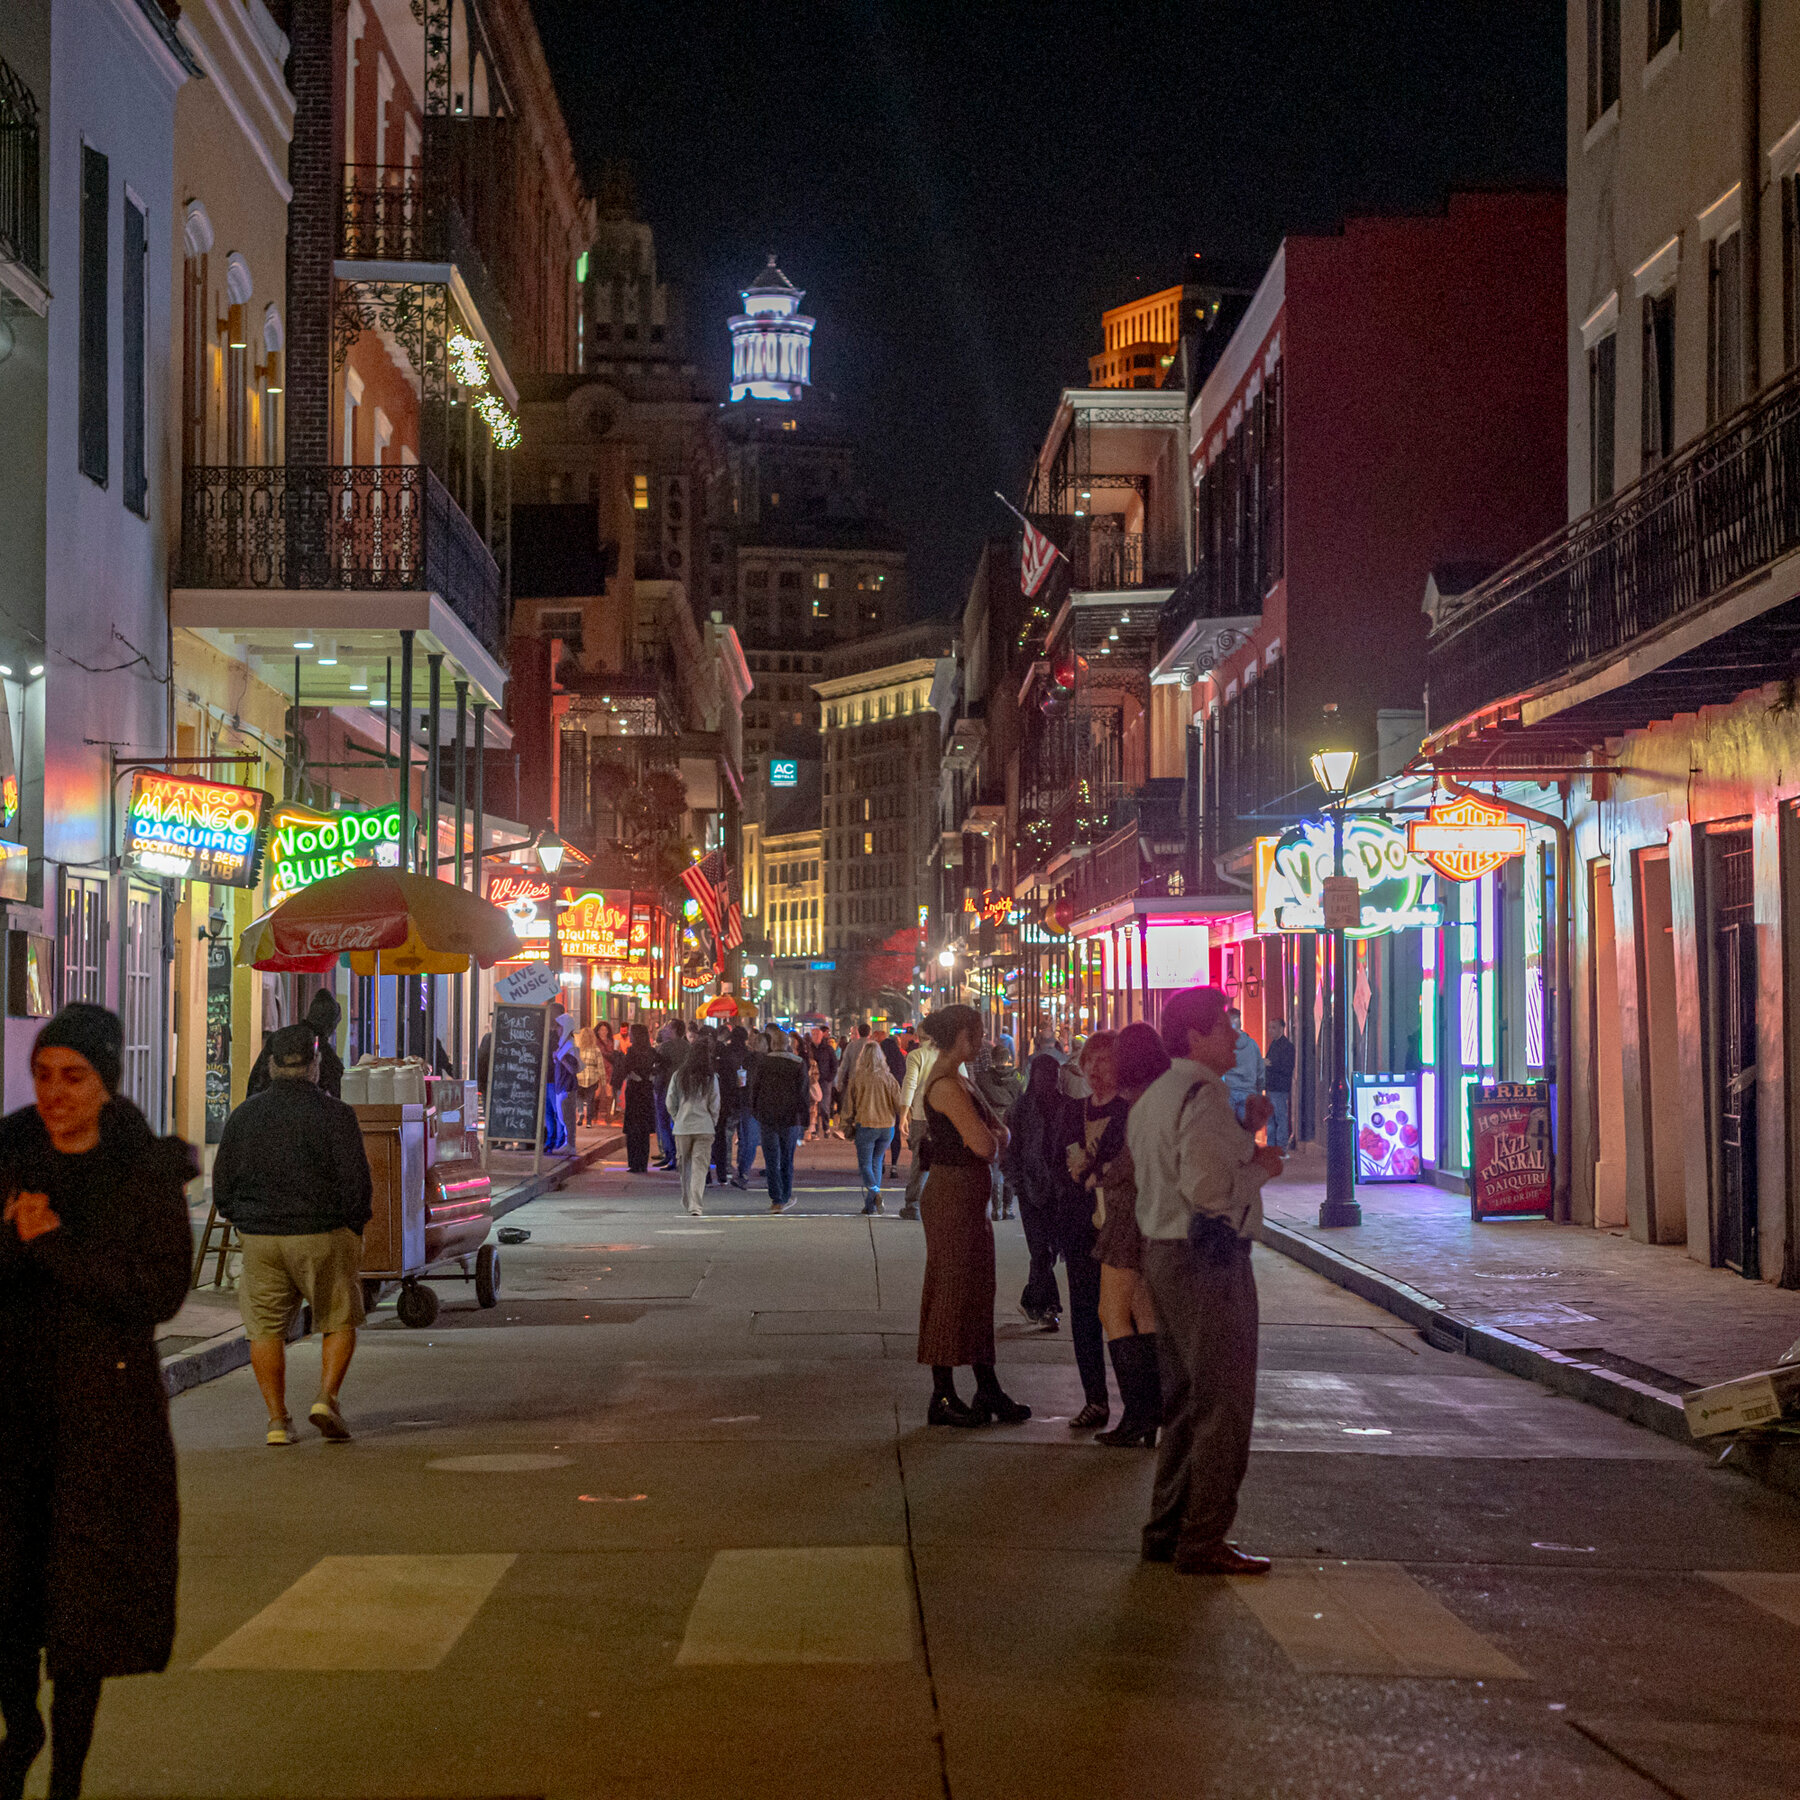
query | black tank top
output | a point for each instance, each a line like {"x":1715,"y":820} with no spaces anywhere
{"x":944,"y":1144}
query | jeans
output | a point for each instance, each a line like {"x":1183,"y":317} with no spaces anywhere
{"x":915,"y":1181}
{"x":665,"y":1127}
{"x":749,"y":1135}
{"x":778,"y":1143}
{"x":871,"y":1158}
{"x":1072,"y":1230}
{"x":1278,"y":1119}
{"x":695,"y":1151}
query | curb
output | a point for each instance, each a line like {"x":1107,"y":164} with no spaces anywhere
{"x":1621,"y":1395}
{"x":231,"y":1349}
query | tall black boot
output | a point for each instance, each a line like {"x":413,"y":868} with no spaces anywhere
{"x":1140,"y":1386}
{"x":74,"y":1701}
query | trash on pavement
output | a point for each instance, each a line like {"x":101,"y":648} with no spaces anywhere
{"x":1766,"y":1398}
{"x":513,"y":1234}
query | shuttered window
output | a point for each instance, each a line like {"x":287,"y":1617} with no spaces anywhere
{"x":131,"y":290}
{"x":91,"y":430}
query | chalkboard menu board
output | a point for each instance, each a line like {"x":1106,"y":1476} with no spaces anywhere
{"x":515,"y":1096}
{"x":1511,"y":1167}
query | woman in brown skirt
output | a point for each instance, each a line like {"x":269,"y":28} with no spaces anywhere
{"x":956,"y":1308}
{"x":1126,"y":1315}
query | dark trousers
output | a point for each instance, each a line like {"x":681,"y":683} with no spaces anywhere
{"x":778,"y":1143}
{"x":1041,"y":1294}
{"x":665,"y":1126}
{"x":1206,"y":1318}
{"x":1072,"y":1231}
{"x":748,"y":1137}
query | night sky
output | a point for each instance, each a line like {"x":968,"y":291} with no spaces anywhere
{"x":962,"y":188}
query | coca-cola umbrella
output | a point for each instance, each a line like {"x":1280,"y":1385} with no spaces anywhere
{"x":723,"y":1007}
{"x":388,"y":924}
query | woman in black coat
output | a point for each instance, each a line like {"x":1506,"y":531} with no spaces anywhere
{"x":94,"y":1253}
{"x":635,"y":1077}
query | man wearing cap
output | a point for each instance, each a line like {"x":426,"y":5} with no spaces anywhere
{"x":293,"y":1177}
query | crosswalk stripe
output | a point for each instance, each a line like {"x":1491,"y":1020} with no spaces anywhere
{"x":365,"y":1612}
{"x":850,"y":1604}
{"x":1367,"y":1619}
{"x":1774,"y":1593}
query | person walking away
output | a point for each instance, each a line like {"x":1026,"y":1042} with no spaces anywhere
{"x":825,"y":1067}
{"x":637,"y":1078}
{"x":694,"y":1115}
{"x":919,"y":1061}
{"x":95,"y":1253}
{"x":1127,"y":1316}
{"x":733,"y":1063}
{"x":871,"y":1111}
{"x":854,"y":1045}
{"x":1045,"y":1044}
{"x":1245,"y":1076}
{"x":1199,"y":1201}
{"x":292,"y":1175}
{"x":778,"y":1100}
{"x":671,"y":1049}
{"x":956,"y":1303}
{"x":895,"y":1058}
{"x":1278,"y":1084}
{"x":322,"y":1015}
{"x":1032,"y":1163}
{"x":997,"y":1081}
{"x":589,"y":1074}
{"x":1094,"y":1133}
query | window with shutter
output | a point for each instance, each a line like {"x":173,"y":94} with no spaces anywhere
{"x":91,"y":432}
{"x":131,"y":294}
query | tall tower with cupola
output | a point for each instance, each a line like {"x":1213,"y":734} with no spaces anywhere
{"x":771,"y":340}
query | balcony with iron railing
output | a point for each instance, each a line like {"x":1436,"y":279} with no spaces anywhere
{"x":420,"y":215}
{"x":1682,"y":536}
{"x":21,"y":228}
{"x":355,"y":529}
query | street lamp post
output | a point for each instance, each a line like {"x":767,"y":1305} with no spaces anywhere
{"x":1334,"y":771}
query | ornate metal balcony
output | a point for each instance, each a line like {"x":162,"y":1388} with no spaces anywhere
{"x":1685,"y":534}
{"x":20,"y":234}
{"x":349,"y":528}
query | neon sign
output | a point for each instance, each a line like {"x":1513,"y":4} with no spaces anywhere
{"x":1291,"y":872}
{"x":1466,"y":839}
{"x":306,"y":846}
{"x":595,"y":925}
{"x":194,"y":830}
{"x":525,"y":899}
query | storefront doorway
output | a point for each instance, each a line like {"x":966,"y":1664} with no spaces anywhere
{"x":1609,"y":1072}
{"x":1731,"y":1084}
{"x":1665,"y":1172}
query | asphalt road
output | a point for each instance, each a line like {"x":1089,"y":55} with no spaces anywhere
{"x":668,"y":1522}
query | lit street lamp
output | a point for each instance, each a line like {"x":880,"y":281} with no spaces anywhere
{"x":1334,"y":770}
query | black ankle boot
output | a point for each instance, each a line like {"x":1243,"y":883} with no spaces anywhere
{"x":19,"y":1749}
{"x":1140,"y":1385}
{"x":991,"y":1402}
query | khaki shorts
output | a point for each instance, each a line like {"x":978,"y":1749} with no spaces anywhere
{"x":323,"y":1268}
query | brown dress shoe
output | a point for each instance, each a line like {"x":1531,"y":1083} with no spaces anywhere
{"x":1221,"y":1559}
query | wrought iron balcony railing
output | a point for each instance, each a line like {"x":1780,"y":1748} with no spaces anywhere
{"x":351,"y":528}
{"x":20,"y":228}
{"x":411,"y":215}
{"x":1713,"y":515}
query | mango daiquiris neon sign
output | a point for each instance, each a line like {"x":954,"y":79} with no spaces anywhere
{"x":194,"y":830}
{"x":306,"y":846}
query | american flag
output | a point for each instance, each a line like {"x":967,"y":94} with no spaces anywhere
{"x":705,"y":880}
{"x":1037,"y":557}
{"x":734,"y":926}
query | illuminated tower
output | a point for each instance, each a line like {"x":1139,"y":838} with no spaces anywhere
{"x":771,"y":340}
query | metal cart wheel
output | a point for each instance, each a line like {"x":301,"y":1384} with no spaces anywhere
{"x":487,"y":1276}
{"x":416,"y":1305}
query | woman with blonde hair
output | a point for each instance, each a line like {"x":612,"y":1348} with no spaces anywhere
{"x":871,"y":1110}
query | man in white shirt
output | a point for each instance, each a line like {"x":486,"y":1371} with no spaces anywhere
{"x":913,"y":1083}
{"x":1199,"y":1201}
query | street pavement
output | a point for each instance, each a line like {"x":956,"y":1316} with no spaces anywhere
{"x":668,"y":1522}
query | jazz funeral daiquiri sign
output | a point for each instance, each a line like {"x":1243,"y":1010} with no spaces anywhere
{"x":1511,"y":1168}
{"x":194,"y":830}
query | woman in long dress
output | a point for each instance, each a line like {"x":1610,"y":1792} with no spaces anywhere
{"x":956,"y":1306}
{"x":94,"y":1254}
{"x":637,"y":1079}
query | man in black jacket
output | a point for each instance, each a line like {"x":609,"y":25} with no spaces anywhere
{"x":293,"y":1177}
{"x":779,"y":1102}
{"x":1278,"y":1081}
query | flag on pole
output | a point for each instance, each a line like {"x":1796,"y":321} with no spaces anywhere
{"x":1037,"y":557}
{"x":705,"y":880}
{"x":734,"y":926}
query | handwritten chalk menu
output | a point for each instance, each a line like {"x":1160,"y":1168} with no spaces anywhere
{"x":515,"y":1097}
{"x":1511,"y":1165}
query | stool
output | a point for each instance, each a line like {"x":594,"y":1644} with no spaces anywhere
{"x":227,"y":1242}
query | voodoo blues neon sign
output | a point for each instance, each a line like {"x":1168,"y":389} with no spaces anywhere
{"x":1397,"y":886}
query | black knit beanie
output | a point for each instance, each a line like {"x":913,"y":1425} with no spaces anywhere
{"x":92,"y":1032}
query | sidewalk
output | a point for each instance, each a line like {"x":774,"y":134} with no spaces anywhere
{"x":1622,"y":1325}
{"x":206,"y":1338}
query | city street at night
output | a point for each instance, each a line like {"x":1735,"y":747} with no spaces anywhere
{"x":668,"y":1522}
